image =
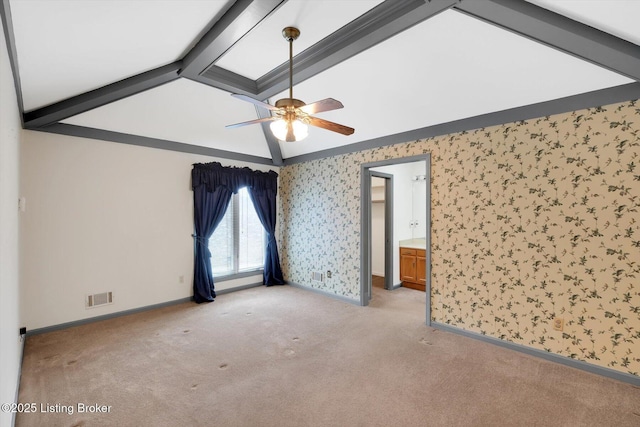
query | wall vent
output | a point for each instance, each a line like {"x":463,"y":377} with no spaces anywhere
{"x":96,"y":300}
{"x":317,"y":276}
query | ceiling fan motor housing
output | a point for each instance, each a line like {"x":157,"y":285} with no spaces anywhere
{"x":289,"y":102}
{"x":290,"y":110}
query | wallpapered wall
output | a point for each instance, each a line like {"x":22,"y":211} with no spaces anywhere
{"x":530,"y":221}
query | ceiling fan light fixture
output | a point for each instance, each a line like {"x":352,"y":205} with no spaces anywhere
{"x":289,"y":131}
{"x":290,"y":117}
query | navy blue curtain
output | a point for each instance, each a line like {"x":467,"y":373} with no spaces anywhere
{"x":264,"y":202}
{"x":213,"y":185}
{"x":208,"y":210}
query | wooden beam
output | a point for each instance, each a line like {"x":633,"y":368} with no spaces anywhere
{"x":96,"y":98}
{"x":236,"y":23}
{"x":559,"y":32}
{"x":7,"y":26}
{"x":143,"y":141}
{"x":382,"y":22}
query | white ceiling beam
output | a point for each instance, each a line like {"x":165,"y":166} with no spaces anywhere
{"x":559,"y":32}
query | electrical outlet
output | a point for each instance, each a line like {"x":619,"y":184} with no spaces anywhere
{"x":558,"y":323}
{"x":181,"y":279}
{"x":328,"y":274}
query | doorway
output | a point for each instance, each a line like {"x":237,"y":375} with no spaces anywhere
{"x":382,"y":229}
{"x":368,"y":172}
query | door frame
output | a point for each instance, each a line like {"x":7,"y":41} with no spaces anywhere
{"x":365,"y":226}
{"x":388,"y":228}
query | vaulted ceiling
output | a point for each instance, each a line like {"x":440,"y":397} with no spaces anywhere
{"x":160,"y":73}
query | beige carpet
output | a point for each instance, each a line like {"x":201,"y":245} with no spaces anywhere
{"x":283,"y":356}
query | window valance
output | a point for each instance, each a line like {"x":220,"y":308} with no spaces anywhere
{"x":213,"y":175}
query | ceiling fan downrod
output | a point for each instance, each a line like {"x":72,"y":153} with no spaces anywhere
{"x":290,"y":34}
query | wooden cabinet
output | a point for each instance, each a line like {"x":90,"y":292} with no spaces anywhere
{"x":413,"y":268}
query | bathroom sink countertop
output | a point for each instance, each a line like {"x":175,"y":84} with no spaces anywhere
{"x":414,"y":243}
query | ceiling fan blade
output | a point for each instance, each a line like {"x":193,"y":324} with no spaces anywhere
{"x":323,"y":105}
{"x":335,"y":127}
{"x":254,"y":101}
{"x":251,"y":122}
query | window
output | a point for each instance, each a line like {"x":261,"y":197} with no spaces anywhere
{"x":238,"y":243}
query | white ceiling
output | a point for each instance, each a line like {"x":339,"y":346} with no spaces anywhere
{"x":183,"y":111}
{"x":67,"y":47}
{"x":435,"y":73}
{"x":617,"y":17}
{"x":446,"y":68}
{"x":265,"y":48}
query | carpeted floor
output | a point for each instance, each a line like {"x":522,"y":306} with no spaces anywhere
{"x":283,"y":356}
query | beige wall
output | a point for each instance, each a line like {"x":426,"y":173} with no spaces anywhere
{"x":530,"y":220}
{"x":103,"y":216}
{"x":10,"y":130}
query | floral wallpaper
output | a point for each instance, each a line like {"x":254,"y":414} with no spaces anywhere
{"x":530,"y":221}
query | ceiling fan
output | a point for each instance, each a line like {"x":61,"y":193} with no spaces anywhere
{"x":290,"y":116}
